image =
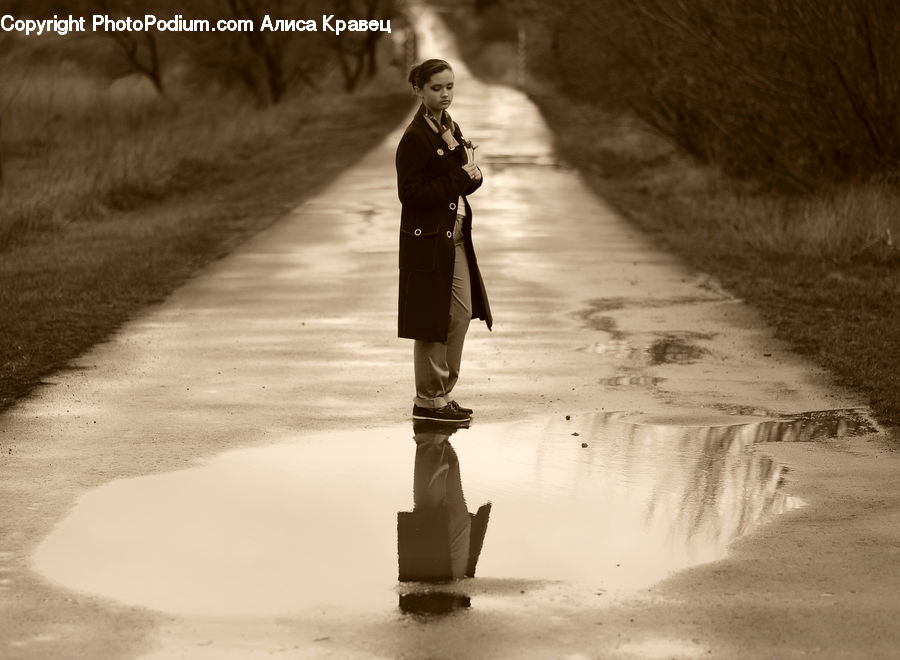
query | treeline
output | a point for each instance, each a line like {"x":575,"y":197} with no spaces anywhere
{"x":267,"y":64}
{"x":93,"y":122}
{"x":799,"y":94}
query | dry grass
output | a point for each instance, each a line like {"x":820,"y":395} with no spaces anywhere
{"x":76,"y":150}
{"x":840,"y":226}
{"x":112,"y":197}
{"x":848,"y":224}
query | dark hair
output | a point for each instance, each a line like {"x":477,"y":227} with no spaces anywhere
{"x":420,"y":74}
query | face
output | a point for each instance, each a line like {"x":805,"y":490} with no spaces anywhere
{"x":437,"y":92}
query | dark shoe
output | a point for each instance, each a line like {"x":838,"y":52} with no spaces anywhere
{"x":446,"y":414}
{"x":428,"y":428}
{"x":459,"y":408}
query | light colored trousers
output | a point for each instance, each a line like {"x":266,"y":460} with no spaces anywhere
{"x":436,"y":362}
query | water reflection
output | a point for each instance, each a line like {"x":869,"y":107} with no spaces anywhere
{"x":722,"y":495}
{"x":439,"y":540}
{"x":433,"y":602}
{"x":642,"y":499}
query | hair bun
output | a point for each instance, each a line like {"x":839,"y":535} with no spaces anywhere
{"x":421,"y":73}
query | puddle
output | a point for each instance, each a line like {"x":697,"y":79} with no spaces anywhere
{"x":612,"y":304}
{"x":618,"y":348}
{"x":369,"y":215}
{"x":674,"y":350}
{"x":593,"y":318}
{"x":632,"y":381}
{"x":812,"y":426}
{"x":818,"y":425}
{"x":599,"y":505}
{"x":500,"y":162}
{"x":603,"y":324}
{"x":746,"y":411}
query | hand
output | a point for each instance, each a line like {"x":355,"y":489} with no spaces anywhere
{"x":473,"y":171}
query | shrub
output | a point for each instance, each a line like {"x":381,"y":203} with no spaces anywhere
{"x":795,"y":93}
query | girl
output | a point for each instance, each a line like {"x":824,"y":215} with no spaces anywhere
{"x":440,"y":286}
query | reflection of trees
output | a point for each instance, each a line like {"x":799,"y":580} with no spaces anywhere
{"x":714,"y":487}
{"x":629,"y":499}
{"x":700,"y":487}
{"x":728,"y":487}
{"x":724,"y":487}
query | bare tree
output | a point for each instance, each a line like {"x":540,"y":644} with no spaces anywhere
{"x":141,"y":51}
{"x":9,"y":88}
{"x":271,"y":63}
{"x":357,"y":52}
{"x":796,"y":93}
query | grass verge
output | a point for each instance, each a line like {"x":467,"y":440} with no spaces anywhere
{"x":67,"y":282}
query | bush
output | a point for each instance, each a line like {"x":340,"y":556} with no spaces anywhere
{"x":794,"y":93}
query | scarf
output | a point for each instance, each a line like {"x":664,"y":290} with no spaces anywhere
{"x":444,"y":128}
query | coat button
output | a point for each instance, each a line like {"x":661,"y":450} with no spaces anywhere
{"x":449,"y":234}
{"x":452,"y":206}
{"x":418,"y":232}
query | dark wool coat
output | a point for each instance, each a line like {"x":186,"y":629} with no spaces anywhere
{"x":430,"y":180}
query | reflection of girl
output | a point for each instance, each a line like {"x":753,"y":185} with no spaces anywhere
{"x":439,"y":539}
{"x":440,"y":284}
{"x":437,"y":491}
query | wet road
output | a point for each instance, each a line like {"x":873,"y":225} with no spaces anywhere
{"x":602,"y":527}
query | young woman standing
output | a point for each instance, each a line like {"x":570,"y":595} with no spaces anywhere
{"x":440,"y":286}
